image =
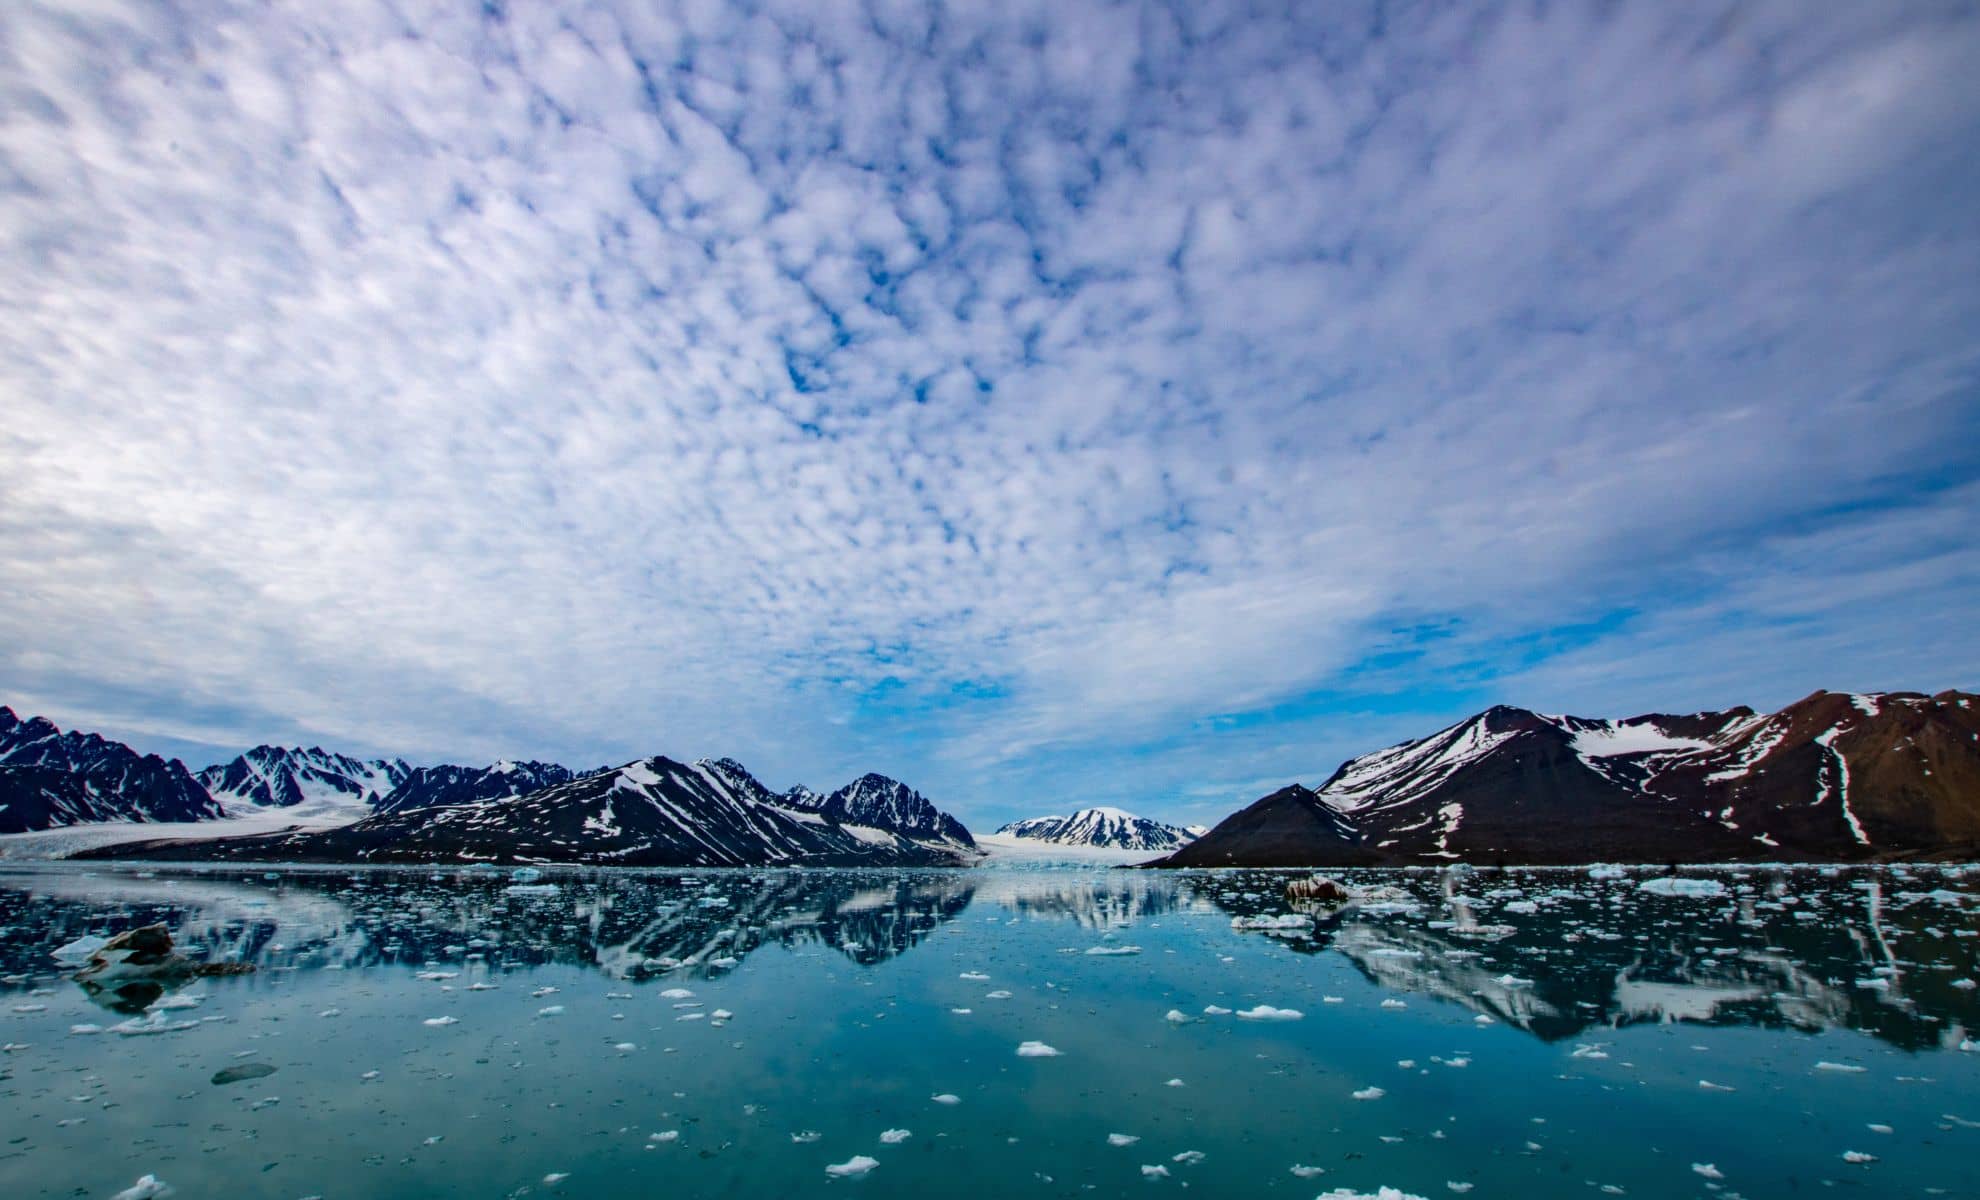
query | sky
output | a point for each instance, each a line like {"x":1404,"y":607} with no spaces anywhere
{"x":1045,"y":404}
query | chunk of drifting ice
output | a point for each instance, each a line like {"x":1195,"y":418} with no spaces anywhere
{"x":804,"y":1137}
{"x":1188,"y":1158}
{"x":996,"y":995}
{"x":1708,"y":1086}
{"x":1173,"y":1083}
{"x":1266,"y":1012}
{"x":1381,"y":1193}
{"x":146,"y":1188}
{"x":1672,"y":885}
{"x":946,"y":1098}
{"x":550,"y":1010}
{"x":894,"y":1137}
{"x":1394,"y":1003}
{"x":1459,"y":1188}
{"x":1280,"y":921}
{"x":665,"y":1135}
{"x":626,"y":1047}
{"x":1845,"y":1068}
{"x":80,"y":949}
{"x":1880,"y":1129}
{"x":974,"y":976}
{"x":1370,"y":1093}
{"x":1110,"y":950}
{"x":1122,"y":1139}
{"x":1176,"y":1015}
{"x":1708,"y":1170}
{"x":1036,"y":1050}
{"x":436,"y":1022}
{"x":1857,"y":1156}
{"x":1154,"y":1172}
{"x":676,"y":994}
{"x":858,"y":1164}
{"x":1215,"y":1010}
{"x":1305,"y":1172}
{"x":555,"y":1177}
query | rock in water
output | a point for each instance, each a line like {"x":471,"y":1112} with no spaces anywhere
{"x":242,"y":1071}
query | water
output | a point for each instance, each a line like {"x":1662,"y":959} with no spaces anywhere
{"x":1526,"y":1033}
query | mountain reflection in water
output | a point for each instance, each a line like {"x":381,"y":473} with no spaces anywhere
{"x":1888,"y":951}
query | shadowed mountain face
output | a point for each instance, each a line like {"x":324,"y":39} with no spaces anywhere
{"x":49,"y":778}
{"x":1831,"y":777}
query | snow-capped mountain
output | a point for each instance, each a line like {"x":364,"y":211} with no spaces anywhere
{"x":281,"y":777}
{"x":654,"y":812}
{"x":1101,"y":826}
{"x":438,"y":787}
{"x":878,"y":802}
{"x":50,"y":778}
{"x":1830,"y":776}
{"x":869,"y":802}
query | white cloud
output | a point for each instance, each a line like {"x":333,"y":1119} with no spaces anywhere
{"x":1005,"y":401}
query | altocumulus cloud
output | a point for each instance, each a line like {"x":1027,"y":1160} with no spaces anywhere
{"x":1144,"y":402}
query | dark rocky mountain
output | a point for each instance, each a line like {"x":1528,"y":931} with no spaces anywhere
{"x":878,"y":802}
{"x":871,"y":802}
{"x":1101,"y":826}
{"x":281,"y":777}
{"x":1831,"y":777}
{"x":50,"y":778}
{"x":438,"y":787}
{"x":656,"y":812}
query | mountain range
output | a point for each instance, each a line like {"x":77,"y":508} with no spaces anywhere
{"x":1103,"y":827}
{"x":1832,"y":777}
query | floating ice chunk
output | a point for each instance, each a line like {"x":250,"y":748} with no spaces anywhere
{"x":1279,"y":921}
{"x":1104,"y":951}
{"x":974,"y":976}
{"x":1036,"y":1050}
{"x":525,"y":875}
{"x":1173,"y":1083}
{"x":1266,"y":1012}
{"x":437,"y":1022}
{"x":1176,"y":1015}
{"x":894,"y":1137}
{"x":531,"y":889}
{"x":1154,"y":1171}
{"x":1844,"y":1068}
{"x":1706,"y":1085}
{"x":961,"y":1012}
{"x":1122,"y":1139}
{"x":858,"y":1164}
{"x":1216,"y":1010}
{"x":148,"y":1187}
{"x":555,"y":1177}
{"x":1708,"y":1170}
{"x":1874,"y":1128}
{"x":1459,"y":1188}
{"x":996,"y":995}
{"x":946,"y":1098}
{"x":1370,"y":1093}
{"x":1380,"y":1193}
{"x":85,"y":1028}
{"x":1305,"y":1172}
{"x":805,"y":1137}
{"x":1188,"y":1158}
{"x":80,"y":949}
{"x":550,"y":1010}
{"x":1333,"y":1000}
{"x":1672,"y":885}
{"x":626,"y":1047}
{"x":665,"y":1135}
{"x":1857,"y":1156}
{"x":721,"y":1014}
{"x":1394,"y":1003}
{"x":541,"y":992}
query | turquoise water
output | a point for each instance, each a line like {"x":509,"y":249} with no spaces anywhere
{"x":1518,"y":1034}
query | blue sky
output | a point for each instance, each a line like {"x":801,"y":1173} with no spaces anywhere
{"x":1046,"y":404}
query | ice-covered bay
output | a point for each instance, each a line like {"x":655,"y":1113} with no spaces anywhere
{"x":467,"y":1034}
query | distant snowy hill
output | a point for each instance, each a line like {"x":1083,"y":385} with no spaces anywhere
{"x":50,"y":778}
{"x":1832,"y":776}
{"x":1109,"y":827}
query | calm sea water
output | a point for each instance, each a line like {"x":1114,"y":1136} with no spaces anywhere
{"x":606,"y":1034}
